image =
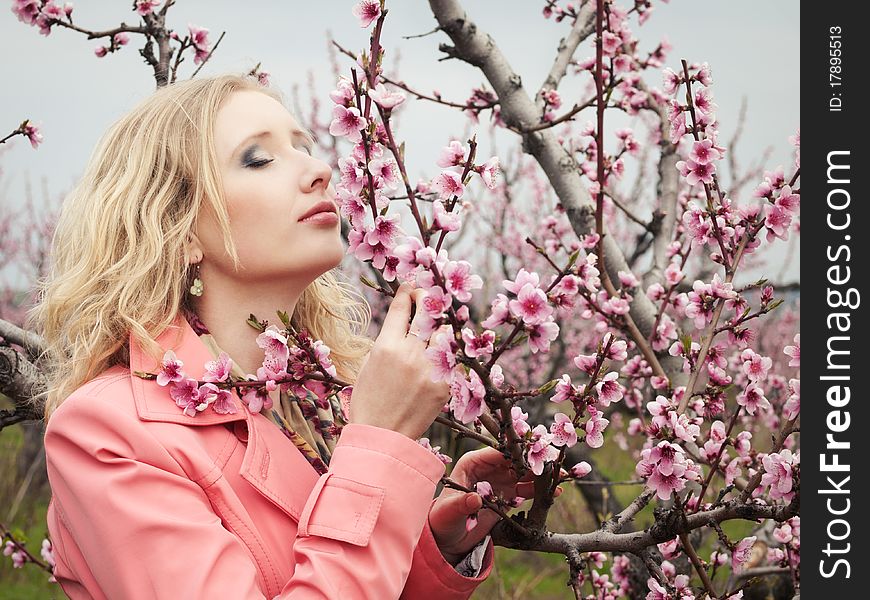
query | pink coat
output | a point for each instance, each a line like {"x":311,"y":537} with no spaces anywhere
{"x":150,"y":503}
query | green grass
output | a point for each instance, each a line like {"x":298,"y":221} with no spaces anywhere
{"x":30,"y":581}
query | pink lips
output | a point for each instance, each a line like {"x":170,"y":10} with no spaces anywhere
{"x":321,"y":218}
{"x":320,"y":211}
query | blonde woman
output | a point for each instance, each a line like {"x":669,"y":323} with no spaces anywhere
{"x":200,"y":207}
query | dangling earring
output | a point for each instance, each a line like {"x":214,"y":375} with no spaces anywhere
{"x":196,"y":288}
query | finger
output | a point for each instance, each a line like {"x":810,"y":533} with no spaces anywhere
{"x":449,"y":519}
{"x":396,"y":322}
{"x":417,"y":296}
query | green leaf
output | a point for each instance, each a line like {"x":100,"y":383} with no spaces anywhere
{"x":547,"y":386}
{"x":285,"y":318}
{"x":368,"y":282}
{"x":254,"y":322}
{"x":687,"y":344}
{"x":573,"y":258}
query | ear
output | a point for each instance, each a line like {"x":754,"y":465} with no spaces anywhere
{"x":193,"y":249}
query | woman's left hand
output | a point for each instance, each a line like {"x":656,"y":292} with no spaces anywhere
{"x":449,"y":513}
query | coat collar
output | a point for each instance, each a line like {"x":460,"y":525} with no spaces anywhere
{"x":153,"y":402}
{"x":285,"y":480}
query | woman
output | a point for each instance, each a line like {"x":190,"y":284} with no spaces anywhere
{"x":191,"y":216}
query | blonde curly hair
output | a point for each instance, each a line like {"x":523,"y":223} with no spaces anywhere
{"x":118,"y":264}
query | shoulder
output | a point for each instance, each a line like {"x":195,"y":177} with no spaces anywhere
{"x":112,"y":390}
{"x":101,"y":416}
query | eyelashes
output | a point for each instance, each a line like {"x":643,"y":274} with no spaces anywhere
{"x":249,"y":161}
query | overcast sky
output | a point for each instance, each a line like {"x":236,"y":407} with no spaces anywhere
{"x":752,"y":47}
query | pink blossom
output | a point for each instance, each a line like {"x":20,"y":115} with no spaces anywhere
{"x":499,"y":312}
{"x":347,"y":122}
{"x":490,"y":171}
{"x":541,"y":334}
{"x":777,"y":220}
{"x":442,"y":355}
{"x":552,"y":98}
{"x":386,"y":99}
{"x":657,"y":591}
{"x":218,"y":370}
{"x":221,"y":399}
{"x":563,"y":431}
{"x":443,"y":220}
{"x":436,"y":302}
{"x":27,"y":11}
{"x":452,"y":155}
{"x":531,"y":305}
{"x":344,"y":94}
{"x":682,"y":427}
{"x":199,"y":39}
{"x":459,"y":279}
{"x":121,"y":39}
{"x":321,"y":353}
{"x":496,"y":375}
{"x":778,"y":474}
{"x":794,"y":352}
{"x":171,"y":371}
{"x":792,"y":407}
{"x":696,"y":172}
{"x":618,"y":350}
{"x":564,"y":390}
{"x":385,"y":229}
{"x":752,"y":398}
{"x":673,"y":274}
{"x":442,"y":457}
{"x":700,"y":304}
{"x":721,"y":289}
{"x":146,"y":7}
{"x":466,"y":397}
{"x":385,"y":172}
{"x":704,"y":76}
{"x":627,"y":279}
{"x":754,"y":365}
{"x":670,"y":81}
{"x":594,"y":428}
{"x":610,"y":43}
{"x":704,"y":101}
{"x":741,"y":553}
{"x":703,"y":152}
{"x":523,"y":277}
{"x":787,"y":200}
{"x":540,"y":450}
{"x":670,"y":549}
{"x":581,"y":469}
{"x":478,"y":345}
{"x":518,"y":420}
{"x":609,"y":389}
{"x":19,"y":558}
{"x":586,"y":362}
{"x":187,"y":396}
{"x":666,"y":469}
{"x":742,"y":444}
{"x":256,"y":398}
{"x":448,"y":184}
{"x":366,"y":11}
{"x":276,"y":351}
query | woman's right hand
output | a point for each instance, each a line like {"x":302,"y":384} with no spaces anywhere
{"x":394,"y":389}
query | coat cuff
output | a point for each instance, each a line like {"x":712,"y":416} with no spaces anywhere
{"x":432,"y":576}
{"x":375,"y":475}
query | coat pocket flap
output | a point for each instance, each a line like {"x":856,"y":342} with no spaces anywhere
{"x":342,"y":509}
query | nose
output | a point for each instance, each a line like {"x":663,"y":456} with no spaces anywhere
{"x":317,"y":176}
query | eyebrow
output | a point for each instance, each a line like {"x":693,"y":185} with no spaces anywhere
{"x":304,"y":134}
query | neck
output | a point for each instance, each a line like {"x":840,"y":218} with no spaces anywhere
{"x":224,"y":309}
